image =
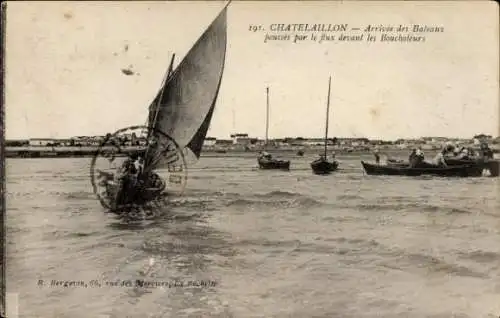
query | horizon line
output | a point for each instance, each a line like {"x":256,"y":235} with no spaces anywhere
{"x":287,"y":137}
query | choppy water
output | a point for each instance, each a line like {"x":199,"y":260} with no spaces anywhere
{"x":276,"y":244}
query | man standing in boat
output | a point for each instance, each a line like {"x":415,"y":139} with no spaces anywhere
{"x":126,"y":178}
{"x":420,"y":153}
{"x":413,"y":158}
{"x":139,"y":165}
{"x":464,"y":154}
{"x":439,"y":159}
{"x":485,"y":151}
{"x":377,"y":156}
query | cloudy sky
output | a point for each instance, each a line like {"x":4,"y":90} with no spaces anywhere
{"x":64,"y":61}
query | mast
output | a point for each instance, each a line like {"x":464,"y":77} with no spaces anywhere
{"x":185,"y":114}
{"x":169,"y":72}
{"x":327,"y":112}
{"x":157,"y":107}
{"x":267,"y":115}
{"x":234,"y":121}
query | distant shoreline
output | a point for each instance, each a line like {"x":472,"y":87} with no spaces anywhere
{"x":79,"y":152}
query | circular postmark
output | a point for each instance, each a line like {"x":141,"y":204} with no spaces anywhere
{"x":164,"y":166}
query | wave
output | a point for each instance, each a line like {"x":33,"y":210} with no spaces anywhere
{"x":435,"y":264}
{"x":413,"y":207}
{"x":481,"y":256}
{"x":278,"y":193}
{"x":201,"y":199}
{"x":297,"y":202}
{"x":79,"y":195}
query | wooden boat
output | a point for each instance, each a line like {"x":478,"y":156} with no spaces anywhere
{"x":267,"y":162}
{"x":492,"y":165}
{"x":123,"y":195}
{"x":322,"y":165}
{"x":181,"y":111}
{"x":272,"y":163}
{"x":472,"y":170}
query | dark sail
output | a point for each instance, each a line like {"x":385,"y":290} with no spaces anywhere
{"x":187,"y":100}
{"x":153,"y":107}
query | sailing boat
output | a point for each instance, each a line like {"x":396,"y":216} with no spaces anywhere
{"x":322,"y":165}
{"x":181,"y":111}
{"x":265,"y":160}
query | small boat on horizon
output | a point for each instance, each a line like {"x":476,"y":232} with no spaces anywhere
{"x":322,"y":165}
{"x":266,"y":160}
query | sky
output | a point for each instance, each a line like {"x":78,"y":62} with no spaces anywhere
{"x":64,"y":62}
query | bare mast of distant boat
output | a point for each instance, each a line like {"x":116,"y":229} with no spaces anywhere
{"x":327,"y":113}
{"x":267,"y":117}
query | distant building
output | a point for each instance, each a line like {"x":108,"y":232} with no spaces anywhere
{"x":353,"y":142}
{"x":240,"y":139}
{"x":209,"y":142}
{"x":313,"y":141}
{"x":63,"y":142}
{"x":224,"y":142}
{"x":41,"y":142}
{"x":16,"y":142}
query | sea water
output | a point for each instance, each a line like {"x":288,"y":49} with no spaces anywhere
{"x":243,"y":242}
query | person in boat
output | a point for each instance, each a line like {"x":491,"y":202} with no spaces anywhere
{"x":486,"y":151}
{"x":127,"y":177}
{"x":448,"y":148}
{"x":417,"y":157}
{"x":464,"y":154}
{"x":439,"y":160}
{"x":265,"y":155}
{"x":420,"y":153}
{"x":139,"y":165}
{"x":377,"y":156}
{"x":413,"y":157}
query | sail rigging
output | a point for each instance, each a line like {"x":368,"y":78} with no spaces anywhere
{"x":155,"y":104}
{"x":186,"y":102}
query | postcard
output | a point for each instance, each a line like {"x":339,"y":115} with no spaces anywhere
{"x":251,"y":159}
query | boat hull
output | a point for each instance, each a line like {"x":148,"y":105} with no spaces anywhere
{"x":122,"y":195}
{"x":322,"y":167}
{"x":492,"y":165}
{"x":268,"y":164}
{"x":472,"y":170}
